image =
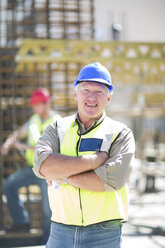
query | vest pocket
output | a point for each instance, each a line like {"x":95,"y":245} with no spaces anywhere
{"x":111,"y":224}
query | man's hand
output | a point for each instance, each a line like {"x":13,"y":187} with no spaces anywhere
{"x":5,"y":149}
{"x":99,"y":158}
{"x":12,"y":141}
{"x":22,"y":146}
{"x":87,"y":180}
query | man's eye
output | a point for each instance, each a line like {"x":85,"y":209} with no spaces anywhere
{"x":99,"y":92}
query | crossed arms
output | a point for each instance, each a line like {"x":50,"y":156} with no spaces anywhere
{"x":78,"y":170}
{"x":97,"y":172}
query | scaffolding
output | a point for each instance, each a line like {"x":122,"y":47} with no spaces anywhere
{"x":33,"y":19}
{"x":57,"y":19}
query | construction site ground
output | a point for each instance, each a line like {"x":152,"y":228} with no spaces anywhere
{"x":146,"y":225}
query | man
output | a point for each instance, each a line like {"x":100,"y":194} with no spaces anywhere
{"x":43,"y":115}
{"x":89,"y":156}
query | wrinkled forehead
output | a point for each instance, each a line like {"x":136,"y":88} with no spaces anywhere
{"x":92,"y":85}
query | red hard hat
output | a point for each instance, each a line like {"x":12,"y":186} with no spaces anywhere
{"x":40,"y":95}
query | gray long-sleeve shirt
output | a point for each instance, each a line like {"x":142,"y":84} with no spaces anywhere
{"x":114,"y":173}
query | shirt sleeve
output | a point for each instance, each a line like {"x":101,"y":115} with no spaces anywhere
{"x":116,"y":171}
{"x":47,"y":144}
{"x":26,"y":125}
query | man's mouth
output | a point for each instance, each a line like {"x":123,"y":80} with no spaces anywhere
{"x":91,"y":104}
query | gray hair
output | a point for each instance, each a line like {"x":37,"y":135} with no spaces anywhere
{"x":110,"y":93}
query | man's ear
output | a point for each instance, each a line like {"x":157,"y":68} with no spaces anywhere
{"x":75,"y":95}
{"x":109,"y":98}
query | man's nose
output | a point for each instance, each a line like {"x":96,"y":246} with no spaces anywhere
{"x":92,"y":95}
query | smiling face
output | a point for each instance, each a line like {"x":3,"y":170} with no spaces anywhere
{"x":91,"y":98}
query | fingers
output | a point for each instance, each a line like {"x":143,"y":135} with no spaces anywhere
{"x":4,"y":150}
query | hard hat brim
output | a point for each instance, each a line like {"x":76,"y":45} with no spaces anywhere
{"x":96,"y":80}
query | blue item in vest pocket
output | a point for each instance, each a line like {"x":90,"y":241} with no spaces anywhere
{"x":90,"y":144}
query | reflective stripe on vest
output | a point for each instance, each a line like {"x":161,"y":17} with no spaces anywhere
{"x":74,"y":206}
{"x":35,"y":119}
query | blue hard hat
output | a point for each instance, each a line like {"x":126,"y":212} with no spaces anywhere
{"x":95,"y":72}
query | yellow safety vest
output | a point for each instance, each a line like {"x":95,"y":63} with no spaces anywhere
{"x":35,"y":119}
{"x":74,"y":206}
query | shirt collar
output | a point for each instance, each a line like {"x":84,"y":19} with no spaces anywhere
{"x":81,"y":125}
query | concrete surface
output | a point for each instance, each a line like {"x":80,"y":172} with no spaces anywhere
{"x":146,"y":225}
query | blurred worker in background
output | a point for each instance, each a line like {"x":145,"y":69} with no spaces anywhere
{"x":43,"y":115}
{"x":89,"y":156}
